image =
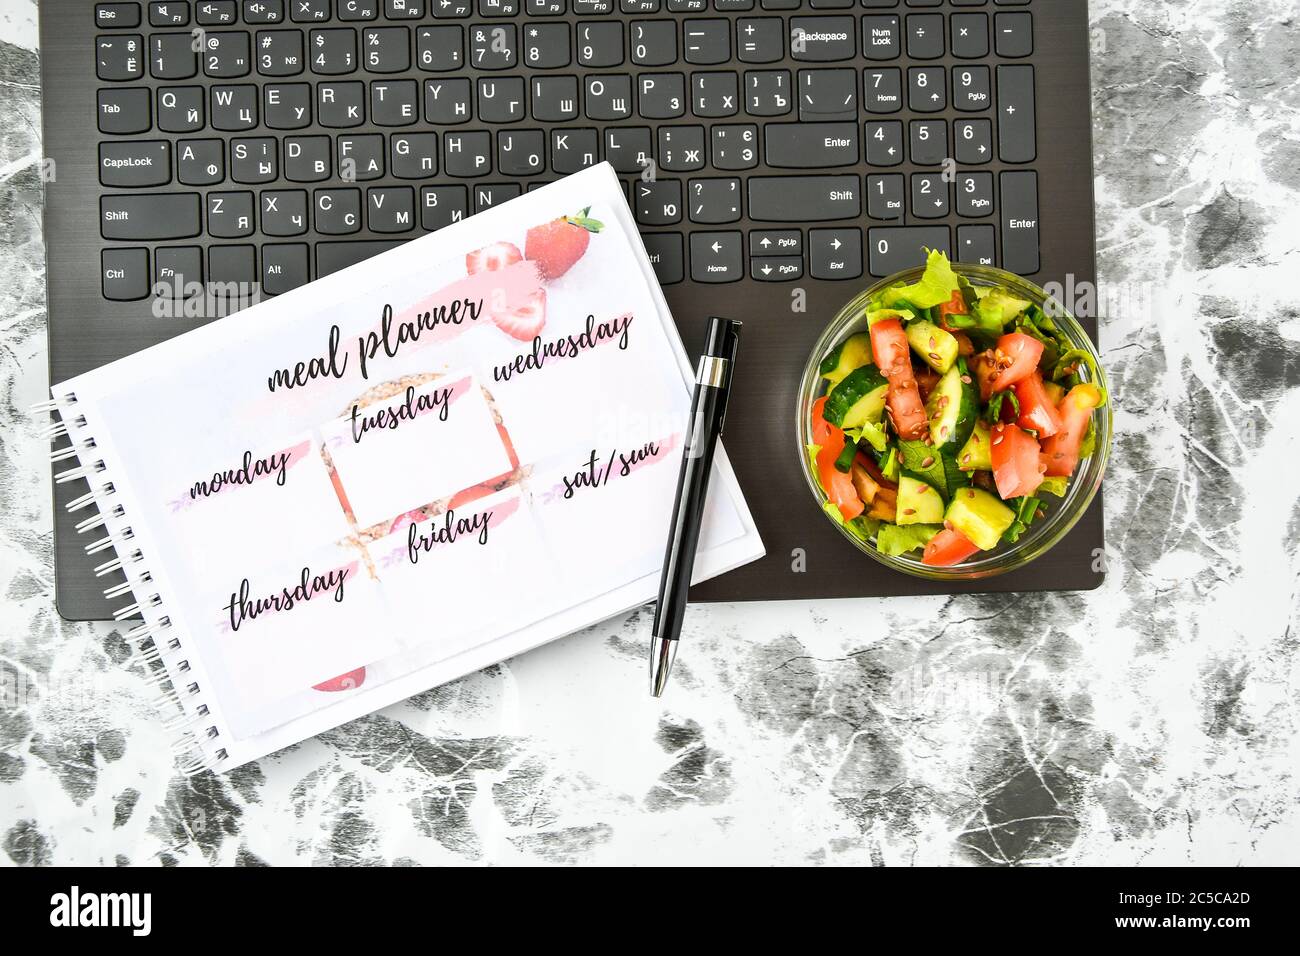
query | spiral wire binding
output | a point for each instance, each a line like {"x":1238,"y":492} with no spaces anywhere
{"x":154,"y":646}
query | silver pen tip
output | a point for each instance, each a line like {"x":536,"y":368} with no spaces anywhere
{"x":662,"y":654}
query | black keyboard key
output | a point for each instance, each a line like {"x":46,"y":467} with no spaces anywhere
{"x":776,"y":268}
{"x":234,"y":108}
{"x":970,"y":36}
{"x":200,"y":162}
{"x":828,"y":95}
{"x":974,"y":195}
{"x":521,"y":152}
{"x":172,"y":56}
{"x":657,"y":202}
{"x":501,"y":99}
{"x":804,"y":198}
{"x":665,"y":253}
{"x":386,"y":49}
{"x":717,"y":257}
{"x":135,"y":164}
{"x":573,"y":149}
{"x":307,"y":158}
{"x":413,"y":155}
{"x":152,"y":216}
{"x":263,"y":11}
{"x":125,"y":274}
{"x":823,"y":39}
{"x":880,"y":38}
{"x":286,"y":105}
{"x":357,"y":9}
{"x":123,"y":111}
{"x":253,"y":160}
{"x":600,"y":44}
{"x":927,"y":89}
{"x":681,"y":148}
{"x":284,"y":266}
{"x":279,"y":52}
{"x":333,"y":256}
{"x":760,"y":39}
{"x":925,"y":36}
{"x":1014,"y":33}
{"x":447,"y":102}
{"x":546,"y":46}
{"x":972,"y":90}
{"x":929,"y":141}
{"x":467,"y":154}
{"x":767,"y":92}
{"x":714,"y":95}
{"x":608,"y":97}
{"x":442,"y":205}
{"x":341,"y":105}
{"x":974,"y":140}
{"x":390,"y":209}
{"x":177,"y":270}
{"x":230,"y":215}
{"x":892,"y":249}
{"x":1019,"y":210}
{"x":660,"y":95}
{"x":628,"y":149}
{"x":654,"y":42}
{"x":493,"y":46}
{"x":404,"y":9}
{"x":452,"y":9}
{"x":337,"y":212}
{"x":734,"y":146}
{"x":707,"y":42}
{"x":309,"y":11}
{"x":232,"y":271}
{"x":440,"y":48}
{"x":776,"y":242}
{"x":1017,"y":139}
{"x":975,"y":245}
{"x":835,"y":253}
{"x":210,"y":13}
{"x":884,"y":143}
{"x":333,"y":51}
{"x":498,"y":8}
{"x":109,"y":16}
{"x":284,"y":212}
{"x":555,"y":98}
{"x":394,"y":102}
{"x":487,"y":195}
{"x":810,"y":145}
{"x":713,"y":201}
{"x":119,"y":57}
{"x":226,"y":55}
{"x":929,"y":196}
{"x":592,"y":6}
{"x":883,"y":90}
{"x":885,"y":197}
{"x":361,"y":157}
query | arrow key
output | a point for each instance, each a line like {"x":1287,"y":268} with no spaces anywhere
{"x":776,"y":268}
{"x":929,"y":196}
{"x":776,"y":242}
{"x":835,"y":253}
{"x":717,"y":256}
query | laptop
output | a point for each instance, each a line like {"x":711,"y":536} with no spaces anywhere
{"x":778,"y":155}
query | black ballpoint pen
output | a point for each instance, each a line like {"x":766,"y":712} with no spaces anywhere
{"x":708,"y":412}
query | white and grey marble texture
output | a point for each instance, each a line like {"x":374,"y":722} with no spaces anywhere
{"x":1153,"y":721}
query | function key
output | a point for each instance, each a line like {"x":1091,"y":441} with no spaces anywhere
{"x":117,"y":15}
{"x":403,"y":9}
{"x":358,"y":9}
{"x":589,"y":7}
{"x":263,"y":11}
{"x":309,"y":11}
{"x":169,"y":13}
{"x":215,"y":12}
{"x":498,"y":8}
{"x":627,"y":6}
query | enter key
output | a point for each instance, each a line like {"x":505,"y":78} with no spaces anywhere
{"x":810,"y":145}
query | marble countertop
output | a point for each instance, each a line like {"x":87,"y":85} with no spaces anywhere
{"x":1152,"y":721}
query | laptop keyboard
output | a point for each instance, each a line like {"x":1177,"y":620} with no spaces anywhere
{"x":269,"y":142}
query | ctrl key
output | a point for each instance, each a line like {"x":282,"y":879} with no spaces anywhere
{"x":125,"y":273}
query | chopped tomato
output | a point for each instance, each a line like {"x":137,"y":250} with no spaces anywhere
{"x":1061,"y":451}
{"x":837,"y":484}
{"x":954,"y":306}
{"x":1016,"y":469}
{"x":964,"y":345}
{"x":1016,"y":356}
{"x":821,"y":428}
{"x":926,"y":379}
{"x":947,"y":548}
{"x":893,"y":356}
{"x":1036,"y":409}
{"x":985,"y":371}
{"x":874,"y":471}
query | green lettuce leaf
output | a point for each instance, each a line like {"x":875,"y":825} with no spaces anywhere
{"x":873,"y":434}
{"x":861,"y":527}
{"x":935,"y":287}
{"x":913,"y":458}
{"x":1055,"y":485}
{"x":895,"y":539}
{"x":879,"y":315}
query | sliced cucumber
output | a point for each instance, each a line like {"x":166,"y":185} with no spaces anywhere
{"x":976,"y":454}
{"x":1002,"y":305}
{"x":978,"y":515}
{"x":918,"y":503}
{"x":858,"y":399}
{"x":854,"y":352}
{"x":937,"y":348}
{"x":952,"y":408}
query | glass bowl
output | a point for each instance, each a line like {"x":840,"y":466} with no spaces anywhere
{"x":1061,"y":514}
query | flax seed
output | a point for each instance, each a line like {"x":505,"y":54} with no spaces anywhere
{"x":909,"y":511}
{"x":927,"y":461}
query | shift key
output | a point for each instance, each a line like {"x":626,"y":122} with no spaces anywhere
{"x":804,"y":198}
{"x":149,"y":216}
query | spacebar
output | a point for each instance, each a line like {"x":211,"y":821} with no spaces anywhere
{"x":333,"y":256}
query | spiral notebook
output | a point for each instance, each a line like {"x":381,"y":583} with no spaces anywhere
{"x":394,"y":476}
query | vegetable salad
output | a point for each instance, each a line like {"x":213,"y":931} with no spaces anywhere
{"x":949,"y":424}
